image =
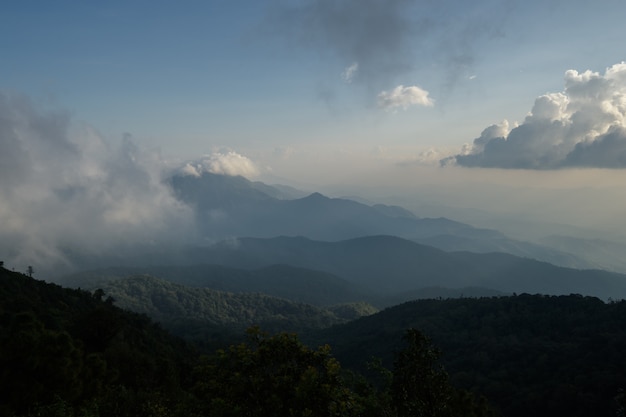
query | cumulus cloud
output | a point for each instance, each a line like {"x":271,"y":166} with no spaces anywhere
{"x":404,"y":97}
{"x":63,"y":189}
{"x":225,"y":163}
{"x":583,"y":126}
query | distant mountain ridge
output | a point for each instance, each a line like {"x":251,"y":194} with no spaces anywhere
{"x":390,"y":265}
{"x":236,"y":207}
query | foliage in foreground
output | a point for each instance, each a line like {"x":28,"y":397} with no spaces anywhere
{"x":279,"y":376}
{"x":71,"y":353}
{"x":527,"y":354}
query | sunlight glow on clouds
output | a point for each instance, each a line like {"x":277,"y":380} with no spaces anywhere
{"x":404,"y":97}
{"x":583,"y":126}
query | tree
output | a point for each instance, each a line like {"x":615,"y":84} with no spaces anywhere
{"x":273,"y":376}
{"x":30,"y":271}
{"x":420,"y":385}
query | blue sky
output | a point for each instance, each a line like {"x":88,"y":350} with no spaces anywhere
{"x":259,"y":78}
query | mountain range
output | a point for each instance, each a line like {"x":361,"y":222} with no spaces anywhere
{"x":339,"y":250}
{"x":391,"y":265}
{"x":232,"y":206}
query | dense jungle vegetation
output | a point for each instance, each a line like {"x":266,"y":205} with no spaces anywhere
{"x":70,"y":352}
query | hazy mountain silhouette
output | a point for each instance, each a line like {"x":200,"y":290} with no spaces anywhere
{"x":228,"y":206}
{"x":233,"y":206}
{"x":604,"y":254}
{"x":393,"y":265}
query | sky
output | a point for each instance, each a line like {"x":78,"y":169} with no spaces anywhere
{"x":512,"y":106}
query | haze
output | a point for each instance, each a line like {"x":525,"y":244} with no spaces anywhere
{"x":508,"y":115}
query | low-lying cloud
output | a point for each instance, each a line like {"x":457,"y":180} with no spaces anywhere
{"x":64,"y":189}
{"x":583,"y":126}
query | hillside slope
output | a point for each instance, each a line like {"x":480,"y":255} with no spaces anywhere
{"x":528,"y":354}
{"x":64,"y":349}
{"x":180,"y":308}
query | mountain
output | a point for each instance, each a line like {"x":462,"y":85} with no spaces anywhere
{"x":296,"y":284}
{"x":229,"y":206}
{"x":528,"y":354}
{"x":236,"y":207}
{"x":603,"y":253}
{"x":544,"y":252}
{"x":69,"y":352}
{"x":72,"y":352}
{"x":175,"y":306}
{"x":391,"y":265}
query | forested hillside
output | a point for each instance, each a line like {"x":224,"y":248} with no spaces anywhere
{"x":197,"y":312}
{"x":64,"y":350}
{"x":528,"y":354}
{"x":296,"y":284}
{"x":72,"y":353}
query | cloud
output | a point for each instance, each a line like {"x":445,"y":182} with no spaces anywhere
{"x":425,"y":157}
{"x":348,"y":74}
{"x":64,"y":189}
{"x":583,"y":126}
{"x":374,"y":33}
{"x":404,"y":97}
{"x":225,"y":163}
{"x":388,"y":38}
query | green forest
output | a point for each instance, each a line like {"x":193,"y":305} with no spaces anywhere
{"x":72,"y":352}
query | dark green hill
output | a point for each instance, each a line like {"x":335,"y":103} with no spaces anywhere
{"x":182,"y":308}
{"x":62,"y":348}
{"x":70,"y":353}
{"x":529,"y":354}
{"x":66,"y":352}
{"x":296,"y":284}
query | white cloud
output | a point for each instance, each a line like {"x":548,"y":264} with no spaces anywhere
{"x":348,"y":74}
{"x":225,"y":163}
{"x":582,"y":126}
{"x":64,"y":188}
{"x":428,"y":156}
{"x":404,"y":97}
